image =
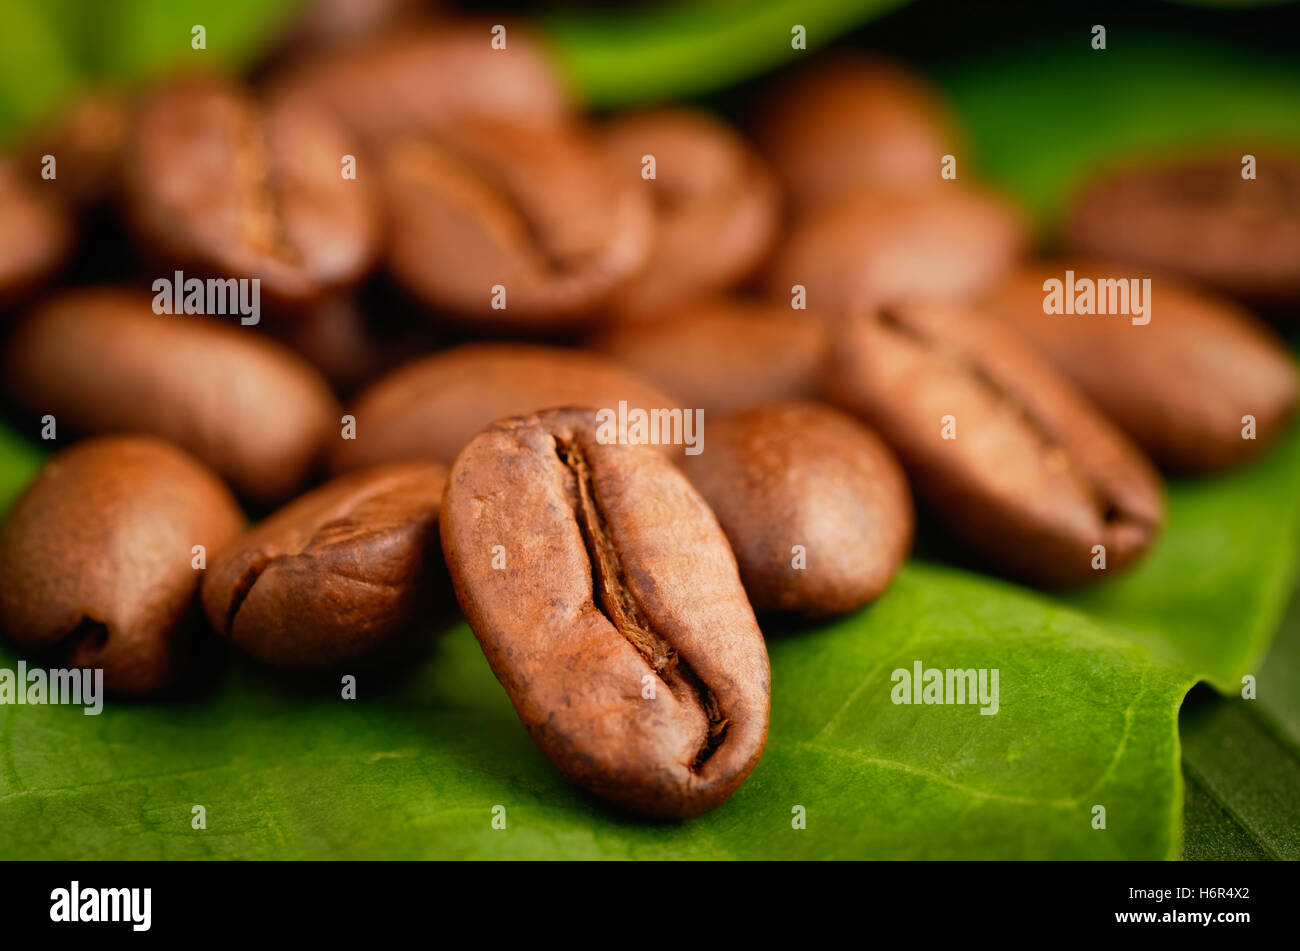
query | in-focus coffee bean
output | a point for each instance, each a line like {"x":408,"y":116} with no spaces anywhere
{"x":350,"y":573}
{"x":100,"y":361}
{"x":1013,"y":459}
{"x":716,"y":206}
{"x":430,"y":408}
{"x":1202,"y":219}
{"x":606,"y":599}
{"x":234,"y":188}
{"x":1182,"y":384}
{"x":816,"y":507}
{"x":726,"y":354}
{"x":101,"y":557}
{"x":535,"y":244}
{"x":877,"y":246}
{"x":846,"y":122}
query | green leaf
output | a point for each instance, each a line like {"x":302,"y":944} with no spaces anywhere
{"x":1210,"y":595}
{"x":414,"y":769}
{"x":1083,"y":107}
{"x":663,"y":51}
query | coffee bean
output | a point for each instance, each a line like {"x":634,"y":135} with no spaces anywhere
{"x":716,"y":206}
{"x":1004,"y":449}
{"x":409,"y":83}
{"x":347,"y":574}
{"x":1180,"y":384}
{"x":35,"y":232}
{"x":85,"y":141}
{"x":616,"y":620}
{"x":726,"y":354}
{"x":352,"y":340}
{"x":815,"y":506}
{"x":101,"y":361}
{"x":219,"y":183}
{"x":97,"y":558}
{"x":846,"y":122}
{"x":432,"y":407}
{"x":535,"y":243}
{"x":876,"y":247}
{"x":1199,"y":219}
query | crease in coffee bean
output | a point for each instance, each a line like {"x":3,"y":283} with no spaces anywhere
{"x":86,"y":633}
{"x":243,"y":587}
{"x":1109,"y":511}
{"x":264,"y":227}
{"x":615,"y":600}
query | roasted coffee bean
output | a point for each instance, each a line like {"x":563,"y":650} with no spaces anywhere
{"x":346,"y":339}
{"x":815,"y":506}
{"x":85,"y":142}
{"x":1014,"y":460}
{"x":1182,"y":384}
{"x":98,"y":558}
{"x":877,"y":247}
{"x":533,"y":243}
{"x":346,"y":574}
{"x":606,"y":599}
{"x":100,"y":361}
{"x":716,"y":206}
{"x":1199,"y":219}
{"x":726,"y":354}
{"x":846,"y":122}
{"x":35,"y":233}
{"x":431,"y":408}
{"x":409,"y":83}
{"x":218,"y":182}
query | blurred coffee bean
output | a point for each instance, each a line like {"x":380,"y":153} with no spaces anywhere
{"x":1198,"y":218}
{"x":875,"y":247}
{"x":349,"y":573}
{"x":1181,"y":384}
{"x":36,"y":234}
{"x":1015,"y":461}
{"x":409,"y":83}
{"x":815,"y":506}
{"x":100,"y":361}
{"x":716,"y":206}
{"x":431,"y":408}
{"x":513,"y":226}
{"x":607,"y":602}
{"x":98,"y":558}
{"x":231,"y":187}
{"x":849,"y":121}
{"x":333,"y":24}
{"x":85,"y":141}
{"x":350,"y":342}
{"x":726,"y":354}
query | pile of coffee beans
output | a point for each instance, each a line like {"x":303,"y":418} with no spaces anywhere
{"x":612,"y":384}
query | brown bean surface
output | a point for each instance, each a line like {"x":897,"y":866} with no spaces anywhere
{"x":726,"y":354}
{"x":1199,"y":219}
{"x":36,"y":234}
{"x":716,"y":206}
{"x":97,"y":558}
{"x":431,"y":408}
{"x":846,"y":122}
{"x":236,"y":188}
{"x":536,"y":245}
{"x":412,"y":81}
{"x":1034,"y":475}
{"x":345,"y":574}
{"x":876,"y":247}
{"x":101,"y":361}
{"x":617,"y":624}
{"x":1178,"y":385}
{"x":805,"y":476}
